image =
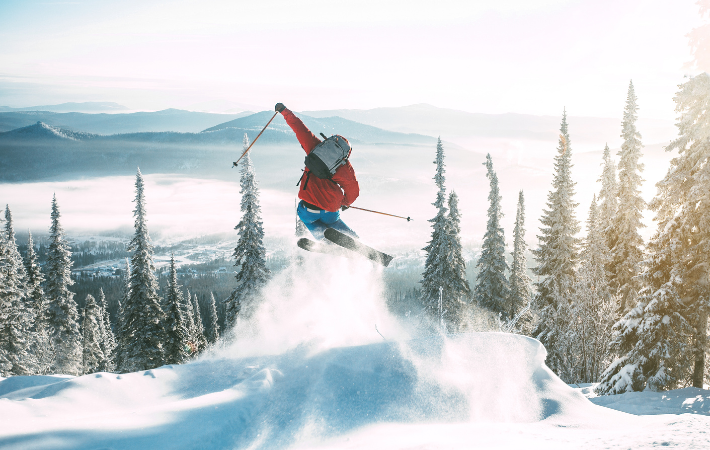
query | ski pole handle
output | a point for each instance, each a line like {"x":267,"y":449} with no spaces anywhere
{"x":236,"y":163}
{"x":408,"y":219}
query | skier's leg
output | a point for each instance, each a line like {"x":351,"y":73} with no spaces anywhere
{"x":312,"y":221}
{"x":333,"y":220}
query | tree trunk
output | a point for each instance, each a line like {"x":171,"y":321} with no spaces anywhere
{"x":701,"y":344}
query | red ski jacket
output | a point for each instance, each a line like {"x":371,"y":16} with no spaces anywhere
{"x":317,"y":191}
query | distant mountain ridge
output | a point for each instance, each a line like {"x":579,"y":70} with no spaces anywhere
{"x":352,"y":130}
{"x":229,"y":133}
{"x":84,"y":107}
{"x":452,"y":124}
{"x":43,"y":151}
{"x":166,"y":120}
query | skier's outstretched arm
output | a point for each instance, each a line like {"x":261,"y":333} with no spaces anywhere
{"x":307,"y":139}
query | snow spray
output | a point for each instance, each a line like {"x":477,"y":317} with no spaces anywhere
{"x":319,"y":302}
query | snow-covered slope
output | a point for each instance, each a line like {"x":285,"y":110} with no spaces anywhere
{"x":310,"y":371}
{"x":281,"y":400}
{"x":42,"y":131}
{"x":482,"y":387}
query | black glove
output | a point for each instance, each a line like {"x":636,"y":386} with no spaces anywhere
{"x":344,"y":207}
{"x":279,"y":107}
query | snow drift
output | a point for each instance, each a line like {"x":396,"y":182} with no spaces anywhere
{"x":282,"y":400}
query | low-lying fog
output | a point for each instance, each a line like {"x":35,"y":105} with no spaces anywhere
{"x":184,"y":206}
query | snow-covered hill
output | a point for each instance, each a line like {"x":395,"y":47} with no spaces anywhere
{"x":40,"y":131}
{"x":310,"y":371}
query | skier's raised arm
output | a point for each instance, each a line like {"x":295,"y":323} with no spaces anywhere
{"x":307,"y":139}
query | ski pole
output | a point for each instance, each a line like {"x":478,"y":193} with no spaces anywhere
{"x":254,"y":141}
{"x":384,"y":214}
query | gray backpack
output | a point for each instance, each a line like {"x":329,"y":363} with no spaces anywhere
{"x":328,"y":156}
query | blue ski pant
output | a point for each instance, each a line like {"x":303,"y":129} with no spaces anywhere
{"x":318,"y":220}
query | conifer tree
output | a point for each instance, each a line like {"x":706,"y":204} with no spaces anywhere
{"x":626,"y":244}
{"x":212,"y":333}
{"x":455,"y":286}
{"x":199,"y":336}
{"x":34,"y":276}
{"x":435,"y":265}
{"x":189,"y":315}
{"x":11,"y":243}
{"x":684,"y":199}
{"x":492,"y":289}
{"x":663,"y":340}
{"x":120,"y":354}
{"x":557,"y":256}
{"x":653,"y":340}
{"x":250,"y":253}
{"x":108,"y":339}
{"x":592,"y":312}
{"x":175,"y":344}
{"x":93,"y":356}
{"x":608,"y":199}
{"x":15,"y":316}
{"x":62,"y":314}
{"x":41,"y":345}
{"x":143,"y":335}
{"x":520,"y":284}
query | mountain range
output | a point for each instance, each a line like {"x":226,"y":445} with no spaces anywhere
{"x":456,"y":126}
{"x":85,"y":107}
{"x":158,"y":121}
{"x":43,"y":151}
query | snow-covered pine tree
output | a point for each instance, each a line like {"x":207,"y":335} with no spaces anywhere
{"x":34,"y":276}
{"x":108,"y":339}
{"x":593,"y":309}
{"x":684,"y":195}
{"x":120,"y":358}
{"x":250,"y":253}
{"x":627,"y":244}
{"x":13,"y":252}
{"x":199,"y":338}
{"x":212,"y":332}
{"x":653,"y":340}
{"x":41,"y":345}
{"x":16,"y":316}
{"x":456,"y":291}
{"x":175,"y":324}
{"x":62,"y":314}
{"x":557,"y":256}
{"x":492,"y":289}
{"x":92,"y":335}
{"x":435,"y":264}
{"x":520,"y":284}
{"x":189,"y":315}
{"x":608,"y":198}
{"x":143,"y":335}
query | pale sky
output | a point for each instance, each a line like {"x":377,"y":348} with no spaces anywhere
{"x":490,"y":56}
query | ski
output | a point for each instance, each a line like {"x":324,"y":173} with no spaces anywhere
{"x":325,"y":248}
{"x":345,"y":241}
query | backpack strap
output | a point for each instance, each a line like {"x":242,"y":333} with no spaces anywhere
{"x":305,"y":183}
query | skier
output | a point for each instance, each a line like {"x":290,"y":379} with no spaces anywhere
{"x":322,"y":199}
